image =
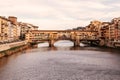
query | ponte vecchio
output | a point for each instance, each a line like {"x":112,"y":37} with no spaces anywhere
{"x":51,"y":36}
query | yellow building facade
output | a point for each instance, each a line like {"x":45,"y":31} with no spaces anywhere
{"x":8,"y":30}
{"x":4,"y":29}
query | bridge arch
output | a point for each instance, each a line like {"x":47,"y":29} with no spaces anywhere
{"x":51,"y":36}
{"x":63,"y":43}
{"x":75,"y":42}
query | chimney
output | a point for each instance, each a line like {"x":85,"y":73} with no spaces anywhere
{"x":13,"y":19}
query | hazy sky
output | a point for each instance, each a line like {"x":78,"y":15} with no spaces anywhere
{"x":60,"y":14}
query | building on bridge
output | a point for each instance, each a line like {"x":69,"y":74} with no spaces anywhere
{"x":51,"y":36}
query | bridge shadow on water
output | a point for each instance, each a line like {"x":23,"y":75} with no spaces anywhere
{"x":60,"y":45}
{"x":68,"y":46}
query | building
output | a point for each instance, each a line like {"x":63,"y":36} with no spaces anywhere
{"x":115,"y":31}
{"x":105,"y":33}
{"x":94,"y":25}
{"x":15,"y":27}
{"x":9,"y":30}
{"x":4,"y":29}
{"x":116,"y":24}
{"x":25,"y":27}
{"x":110,"y":32}
{"x":36,"y":35}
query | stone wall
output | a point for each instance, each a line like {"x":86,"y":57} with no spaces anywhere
{"x":4,"y":47}
{"x":11,"y":45}
{"x":13,"y":50}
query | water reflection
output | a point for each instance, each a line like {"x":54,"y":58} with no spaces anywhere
{"x":60,"y":46}
{"x":68,"y":45}
{"x":64,"y":43}
{"x":61,"y":43}
{"x":42,"y":61}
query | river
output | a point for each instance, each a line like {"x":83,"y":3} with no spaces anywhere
{"x":62,"y":62}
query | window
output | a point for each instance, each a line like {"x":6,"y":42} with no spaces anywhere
{"x":118,"y":26}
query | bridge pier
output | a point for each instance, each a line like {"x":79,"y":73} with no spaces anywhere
{"x":91,"y":43}
{"x":76,"y":43}
{"x":102,"y":42}
{"x":51,"y":43}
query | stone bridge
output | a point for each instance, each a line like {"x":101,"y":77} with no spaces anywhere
{"x":51,"y":36}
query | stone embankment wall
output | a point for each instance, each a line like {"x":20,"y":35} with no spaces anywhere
{"x":11,"y":48}
{"x":11,"y":45}
{"x":4,"y":47}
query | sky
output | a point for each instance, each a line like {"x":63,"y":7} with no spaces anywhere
{"x":60,"y":14}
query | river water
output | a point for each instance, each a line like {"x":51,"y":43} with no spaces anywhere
{"x":62,"y":62}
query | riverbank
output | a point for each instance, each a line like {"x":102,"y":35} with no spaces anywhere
{"x":13,"y":50}
{"x":9,"y":49}
{"x":7,"y":46}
